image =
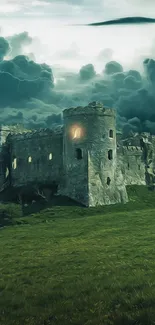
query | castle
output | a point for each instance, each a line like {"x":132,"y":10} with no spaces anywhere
{"x":85,"y":158}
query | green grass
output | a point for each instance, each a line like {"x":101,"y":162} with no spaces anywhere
{"x":80,"y":266}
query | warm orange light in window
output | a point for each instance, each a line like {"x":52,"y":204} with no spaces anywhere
{"x":76,"y":132}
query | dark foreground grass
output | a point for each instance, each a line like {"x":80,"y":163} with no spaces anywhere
{"x":80,"y":266}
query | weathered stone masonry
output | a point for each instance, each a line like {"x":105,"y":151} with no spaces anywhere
{"x":85,"y":157}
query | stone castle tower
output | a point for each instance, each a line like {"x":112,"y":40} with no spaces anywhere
{"x":89,"y":155}
{"x":82,"y":159}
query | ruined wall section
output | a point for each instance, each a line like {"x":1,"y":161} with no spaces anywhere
{"x":5,"y":130}
{"x":130,"y":160}
{"x":36,"y":157}
{"x":148,"y":145}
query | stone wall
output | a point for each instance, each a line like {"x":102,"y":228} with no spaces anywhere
{"x":131,"y":162}
{"x":36,"y":157}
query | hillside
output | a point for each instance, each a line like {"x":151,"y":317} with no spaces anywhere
{"x":79,"y":266}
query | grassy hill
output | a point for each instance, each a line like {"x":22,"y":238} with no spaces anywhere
{"x":79,"y":266}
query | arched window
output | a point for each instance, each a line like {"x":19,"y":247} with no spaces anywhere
{"x":111,"y":134}
{"x":14,"y":163}
{"x":50,"y":156}
{"x":108,"y":180}
{"x":29,"y":159}
{"x":79,"y":153}
{"x":110,"y":154}
{"x":7,"y":172}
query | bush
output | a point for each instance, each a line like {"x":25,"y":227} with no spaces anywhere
{"x":8,"y":213}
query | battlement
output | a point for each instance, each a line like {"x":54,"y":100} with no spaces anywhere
{"x":132,"y":150}
{"x":94,"y":108}
{"x":36,"y":133}
{"x":4,"y":128}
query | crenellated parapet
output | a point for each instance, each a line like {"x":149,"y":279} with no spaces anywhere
{"x":35,"y":134}
{"x":92,"y":108}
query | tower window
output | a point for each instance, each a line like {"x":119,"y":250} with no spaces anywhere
{"x":111,"y":134}
{"x":6,"y":172}
{"x":77,"y":133}
{"x":110,"y":154}
{"x":108,"y":180}
{"x":14,"y":163}
{"x":128,"y":166}
{"x":79,"y":154}
{"x":50,"y":156}
{"x":29,"y":159}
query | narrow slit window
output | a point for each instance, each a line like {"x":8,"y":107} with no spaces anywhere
{"x":14,"y":163}
{"x":108,"y":180}
{"x":79,"y":153}
{"x":29,"y":159}
{"x":111,"y":134}
{"x":50,"y":156}
{"x":110,"y":154}
{"x":128,"y":166}
{"x":6,"y":172}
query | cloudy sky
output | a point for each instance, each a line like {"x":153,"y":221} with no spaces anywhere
{"x":78,"y":67}
{"x":57,"y":43}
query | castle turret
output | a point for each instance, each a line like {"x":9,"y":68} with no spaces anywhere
{"x":90,"y":154}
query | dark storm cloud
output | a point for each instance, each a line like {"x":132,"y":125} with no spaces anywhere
{"x":125,"y":21}
{"x":149,"y":65}
{"x":21,"y":79}
{"x":25,"y":88}
{"x":113,"y":67}
{"x":87,"y":72}
{"x":29,"y":95}
{"x":4,"y":48}
{"x":17,"y":42}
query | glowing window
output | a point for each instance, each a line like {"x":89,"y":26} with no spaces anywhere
{"x":79,"y":153}
{"x":111,"y":134}
{"x":50,"y":156}
{"x":7,"y":172}
{"x":110,"y":154}
{"x":29,"y":159}
{"x":14,"y":163}
{"x":77,"y":133}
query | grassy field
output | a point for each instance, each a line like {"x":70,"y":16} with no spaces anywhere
{"x":73,"y":265}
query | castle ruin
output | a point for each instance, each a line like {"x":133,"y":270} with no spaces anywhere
{"x":85,"y":159}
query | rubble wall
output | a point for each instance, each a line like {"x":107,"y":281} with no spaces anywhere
{"x":131,"y":162}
